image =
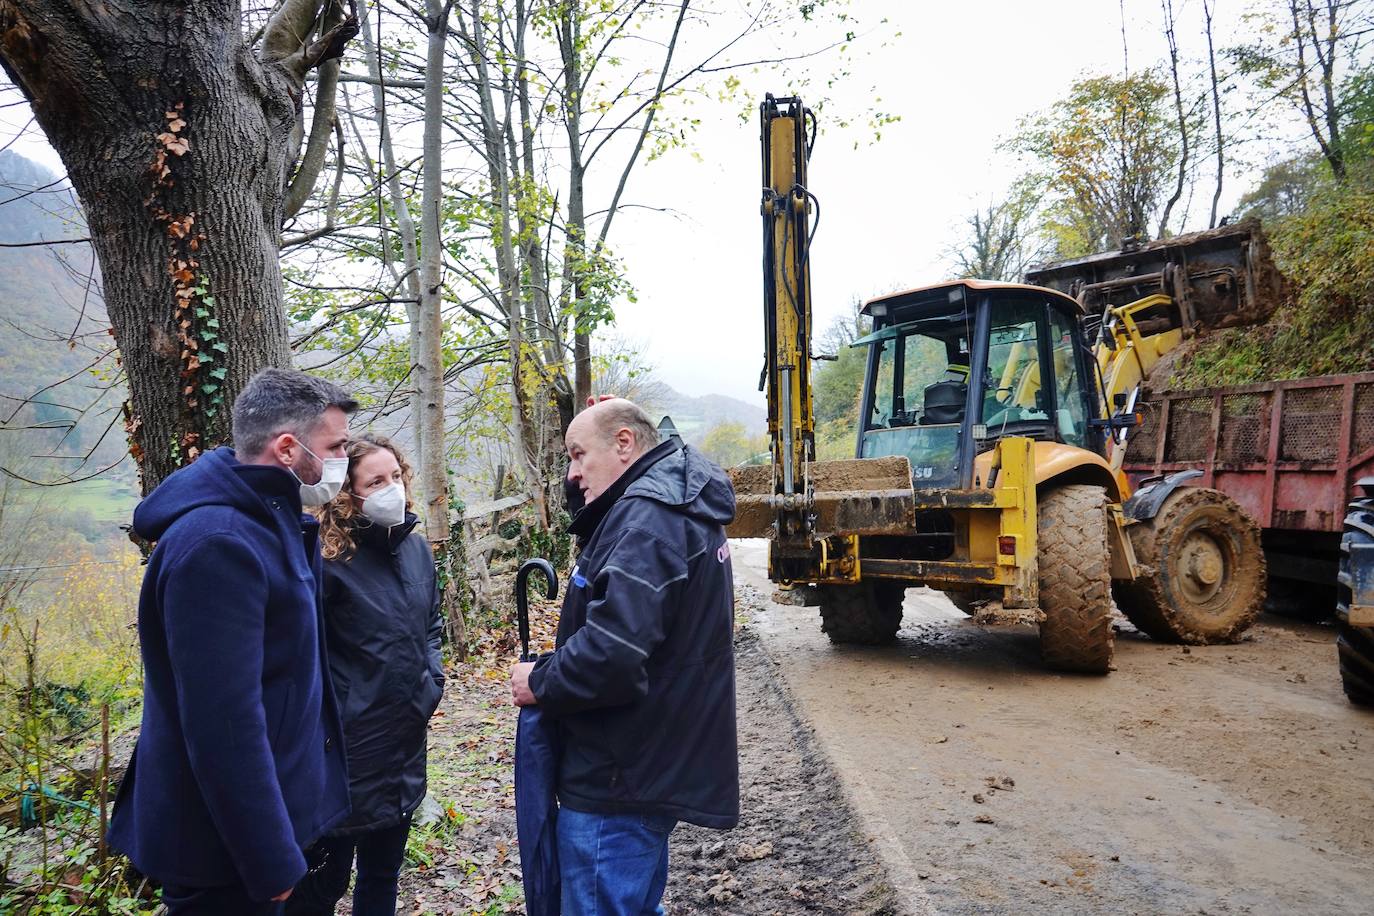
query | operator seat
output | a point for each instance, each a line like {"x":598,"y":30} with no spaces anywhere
{"x":944,"y":400}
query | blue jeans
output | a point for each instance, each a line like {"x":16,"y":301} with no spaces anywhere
{"x":613,"y":864}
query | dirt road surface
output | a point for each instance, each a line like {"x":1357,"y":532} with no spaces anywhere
{"x":1225,"y":779}
{"x":799,"y":847}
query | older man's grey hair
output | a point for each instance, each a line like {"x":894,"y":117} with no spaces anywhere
{"x":619,"y":414}
{"x":277,"y":401}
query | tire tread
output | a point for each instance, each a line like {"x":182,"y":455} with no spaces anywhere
{"x":869,"y":613}
{"x":1075,"y":580}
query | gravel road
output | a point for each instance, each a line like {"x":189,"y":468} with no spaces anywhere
{"x":1225,"y":779}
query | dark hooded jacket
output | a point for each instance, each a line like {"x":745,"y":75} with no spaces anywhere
{"x":239,"y":764}
{"x":642,"y":680}
{"x":381,"y":608}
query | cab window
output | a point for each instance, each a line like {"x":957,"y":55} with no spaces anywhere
{"x":920,"y":380}
{"x":1013,"y":391}
{"x":1070,"y":396}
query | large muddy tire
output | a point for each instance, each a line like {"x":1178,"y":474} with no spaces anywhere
{"x":1355,"y":645}
{"x":1203,"y":570}
{"x":869,"y":613}
{"x":1075,"y":580}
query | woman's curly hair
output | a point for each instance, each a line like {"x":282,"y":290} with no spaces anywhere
{"x":341,"y":514}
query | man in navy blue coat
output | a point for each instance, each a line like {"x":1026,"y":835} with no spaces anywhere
{"x":641,"y":683}
{"x":239,"y":764}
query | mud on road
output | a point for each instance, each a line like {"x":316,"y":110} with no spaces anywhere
{"x":798,"y":848}
{"x":1224,"y":779}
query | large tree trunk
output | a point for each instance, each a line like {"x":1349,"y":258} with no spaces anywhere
{"x":428,"y":356}
{"x":176,"y":138}
{"x":575,"y":257}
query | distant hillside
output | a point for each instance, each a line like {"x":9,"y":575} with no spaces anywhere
{"x":695,"y":416}
{"x":53,"y":330}
{"x":34,"y":204}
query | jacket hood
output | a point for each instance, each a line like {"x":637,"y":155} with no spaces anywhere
{"x":688,"y":481}
{"x":215,"y":479}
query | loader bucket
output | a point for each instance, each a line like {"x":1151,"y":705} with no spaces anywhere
{"x":853,"y":496}
{"x":1218,"y":278}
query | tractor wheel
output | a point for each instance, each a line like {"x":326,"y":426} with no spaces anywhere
{"x":869,"y":613}
{"x":1355,"y":649}
{"x":1355,"y":645}
{"x":1075,"y":580}
{"x":1204,"y":570}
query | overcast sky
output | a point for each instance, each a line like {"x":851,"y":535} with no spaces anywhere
{"x":960,"y":75}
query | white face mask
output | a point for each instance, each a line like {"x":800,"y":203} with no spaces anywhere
{"x":387,"y":506}
{"x":334,"y":471}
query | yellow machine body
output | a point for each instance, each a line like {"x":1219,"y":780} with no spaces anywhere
{"x":995,"y":527}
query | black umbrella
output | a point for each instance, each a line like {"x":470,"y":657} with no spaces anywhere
{"x":536,"y":772}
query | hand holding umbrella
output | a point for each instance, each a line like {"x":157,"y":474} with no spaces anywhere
{"x":536,"y":764}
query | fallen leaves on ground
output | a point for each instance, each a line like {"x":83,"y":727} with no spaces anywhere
{"x":462,"y":857}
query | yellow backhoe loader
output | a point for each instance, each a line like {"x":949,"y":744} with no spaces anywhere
{"x":992,"y":429}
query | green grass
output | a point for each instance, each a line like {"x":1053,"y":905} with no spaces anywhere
{"x":107,"y":500}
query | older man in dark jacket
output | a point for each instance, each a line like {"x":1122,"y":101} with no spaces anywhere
{"x":642,"y":682}
{"x":240,"y":761}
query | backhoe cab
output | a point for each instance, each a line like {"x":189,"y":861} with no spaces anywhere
{"x":954,"y":368}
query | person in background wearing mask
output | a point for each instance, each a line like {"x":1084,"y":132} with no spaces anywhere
{"x":381,"y":608}
{"x":239,"y":764}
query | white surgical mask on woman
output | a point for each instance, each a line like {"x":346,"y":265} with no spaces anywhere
{"x":333,"y":473}
{"x":387,"y":506}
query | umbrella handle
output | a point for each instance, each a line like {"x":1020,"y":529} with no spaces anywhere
{"x":522,"y":601}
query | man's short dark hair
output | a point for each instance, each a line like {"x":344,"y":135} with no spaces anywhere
{"x":277,"y":401}
{"x":619,"y":414}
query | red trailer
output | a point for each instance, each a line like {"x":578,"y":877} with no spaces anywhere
{"x":1289,"y":452}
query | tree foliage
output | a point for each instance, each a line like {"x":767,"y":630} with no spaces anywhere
{"x":551,"y":111}
{"x":1105,"y":152}
{"x":1302,"y":53}
{"x":729,"y":444}
{"x":1284,"y":188}
{"x":1321,"y":229}
{"x":837,"y":386}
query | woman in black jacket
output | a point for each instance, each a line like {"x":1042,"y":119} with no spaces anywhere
{"x":382,"y":629}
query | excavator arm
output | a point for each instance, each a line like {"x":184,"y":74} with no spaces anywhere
{"x":795,"y":500}
{"x":787,"y":210}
